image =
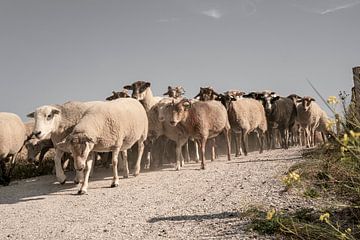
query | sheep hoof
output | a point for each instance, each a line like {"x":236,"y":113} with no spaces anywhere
{"x":202,"y":167}
{"x":81,"y":192}
{"x":63,"y":182}
{"x":126,"y":176}
{"x":76,"y":181}
{"x":114,"y":185}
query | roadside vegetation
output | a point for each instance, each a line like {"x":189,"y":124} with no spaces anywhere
{"x":330,"y":171}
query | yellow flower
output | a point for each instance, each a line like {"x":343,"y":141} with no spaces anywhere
{"x":354,"y":134}
{"x":270,"y":214}
{"x":345,"y":139}
{"x":348,"y":230}
{"x":330,"y":124}
{"x":325,"y":217}
{"x":332,"y":100}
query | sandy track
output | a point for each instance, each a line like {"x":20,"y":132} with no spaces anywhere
{"x":165,"y":204}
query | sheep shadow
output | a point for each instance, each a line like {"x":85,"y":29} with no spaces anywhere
{"x":42,"y":187}
{"x":223,"y":215}
{"x":266,"y":160}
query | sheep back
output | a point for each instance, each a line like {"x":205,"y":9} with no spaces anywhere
{"x":247,"y":114}
{"x":12,"y":134}
{"x":120,"y":122}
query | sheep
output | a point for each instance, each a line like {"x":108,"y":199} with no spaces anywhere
{"x":122,"y":94}
{"x":176,"y":92}
{"x":297,"y":131}
{"x":311,"y":117}
{"x":12,"y":138}
{"x":108,"y":127}
{"x":141,"y":91}
{"x":245,"y":115}
{"x":56,"y":122}
{"x":159,"y":127}
{"x":281,"y":114}
{"x":237,"y":94}
{"x":201,"y":120}
{"x":206,"y":94}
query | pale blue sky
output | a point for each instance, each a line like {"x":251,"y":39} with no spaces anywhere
{"x":52,"y":51}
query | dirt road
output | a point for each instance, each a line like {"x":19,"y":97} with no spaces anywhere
{"x":164,"y":204}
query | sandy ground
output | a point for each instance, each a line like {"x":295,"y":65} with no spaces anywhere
{"x":164,"y":204}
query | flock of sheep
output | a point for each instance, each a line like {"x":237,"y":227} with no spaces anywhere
{"x":85,"y":129}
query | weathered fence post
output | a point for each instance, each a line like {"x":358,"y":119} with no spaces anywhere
{"x":355,"y":98}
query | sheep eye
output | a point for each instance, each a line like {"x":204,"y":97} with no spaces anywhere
{"x":49,"y":116}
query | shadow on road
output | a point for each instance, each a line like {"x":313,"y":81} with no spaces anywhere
{"x":266,"y":160}
{"x":224,"y":215}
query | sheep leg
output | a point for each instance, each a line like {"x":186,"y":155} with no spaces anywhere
{"x":60,"y":175}
{"x":125,"y":163}
{"x":178,"y":156}
{"x":237,"y":144}
{"x":260,"y":137}
{"x":138,"y":160}
{"x":213,"y":149}
{"x":88,"y":169}
{"x":115,"y":159}
{"x":228,"y":143}
{"x":244,"y":139}
{"x":197,"y":155}
{"x":187,"y":157}
{"x":203,"y":147}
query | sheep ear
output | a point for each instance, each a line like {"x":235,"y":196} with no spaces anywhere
{"x":312,"y":99}
{"x":128,"y":87}
{"x":31,"y":115}
{"x":197,"y":96}
{"x":55,"y":111}
{"x":299,"y":100}
{"x":147,"y":84}
{"x":169,"y":88}
{"x":64,"y":145}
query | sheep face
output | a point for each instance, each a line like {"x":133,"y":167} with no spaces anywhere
{"x":80,"y":147}
{"x":206,"y":94}
{"x":235,"y":93}
{"x":179,"y":112}
{"x":269,"y":99}
{"x":225,"y":100}
{"x":175,"y":92}
{"x":306,"y":102}
{"x":116,"y":95}
{"x":46,"y":120}
{"x":139,"y":89}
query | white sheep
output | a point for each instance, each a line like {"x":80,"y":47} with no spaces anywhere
{"x":245,"y":116}
{"x":112,"y":126}
{"x":56,"y":122}
{"x":310,"y":115}
{"x":12,"y":138}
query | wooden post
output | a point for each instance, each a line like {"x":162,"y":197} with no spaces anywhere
{"x":355,"y":98}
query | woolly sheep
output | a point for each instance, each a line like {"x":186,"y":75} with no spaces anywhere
{"x":310,"y":116}
{"x":108,"y":127}
{"x":201,"y":120}
{"x":245,"y":116}
{"x":12,"y":138}
{"x":56,"y":122}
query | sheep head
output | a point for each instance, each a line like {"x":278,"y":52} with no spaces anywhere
{"x":46,"y":120}
{"x":306,"y":102}
{"x":80,"y":146}
{"x":179,"y":111}
{"x":206,"y":94}
{"x":139,"y":89}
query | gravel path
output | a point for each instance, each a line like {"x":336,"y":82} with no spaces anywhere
{"x":165,"y":204}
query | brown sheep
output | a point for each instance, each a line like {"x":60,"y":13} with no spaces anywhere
{"x":201,"y":121}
